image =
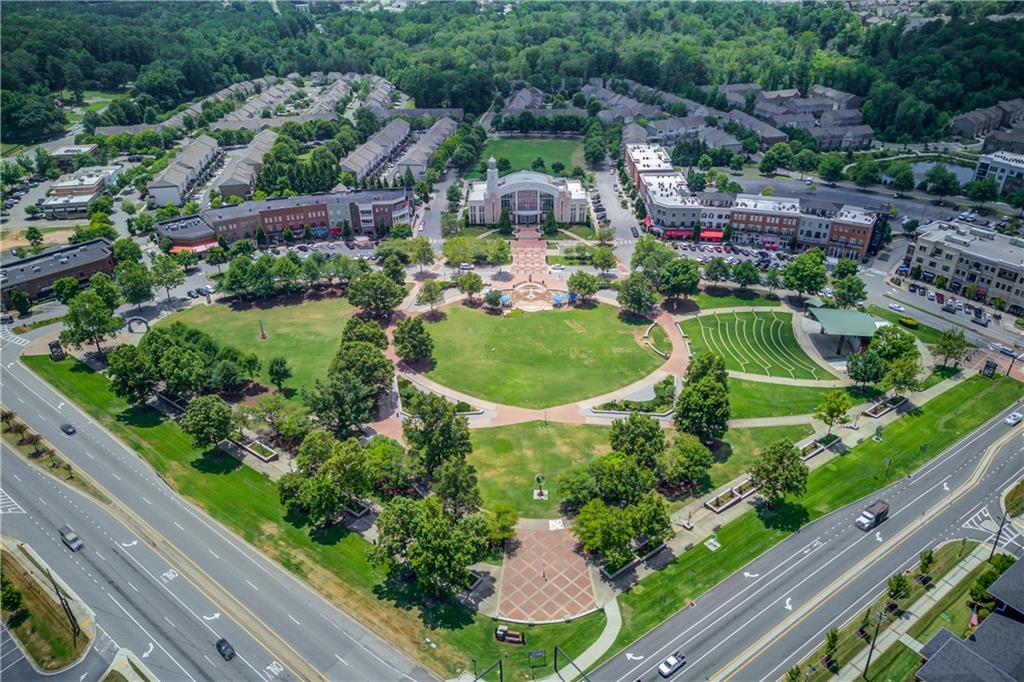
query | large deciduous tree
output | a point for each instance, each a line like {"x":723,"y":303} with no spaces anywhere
{"x":437,"y":433}
{"x":132,"y":376}
{"x":636,"y":294}
{"x":375,"y":293}
{"x":412,"y":340}
{"x":806,"y":272}
{"x":89,"y":320}
{"x":779,"y":471}
{"x":702,"y":409}
{"x":207,"y":420}
{"x":638,"y":436}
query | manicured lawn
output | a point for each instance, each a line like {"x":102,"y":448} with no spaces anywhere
{"x":909,"y":442}
{"x":926,"y":334}
{"x":755,"y":343}
{"x":41,"y":628}
{"x":938,"y":375}
{"x":731,"y":297}
{"x":1015,"y":499}
{"x":521,"y":152}
{"x":851,"y":642}
{"x":742,"y":446}
{"x":333,"y":562}
{"x":540,"y":359}
{"x":749,"y":399}
{"x":507,"y":459}
{"x":896,"y":664}
{"x":952,"y":612}
{"x":307,"y":334}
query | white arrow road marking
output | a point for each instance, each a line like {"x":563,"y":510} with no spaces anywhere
{"x":751,"y":575}
{"x":945,"y":486}
{"x":789,"y":604}
{"x":130,"y":544}
{"x":213,"y":617}
{"x":82,"y":677}
{"x":61,"y":405}
{"x":878,"y":535}
{"x":148,"y":651}
{"x":633,"y":657}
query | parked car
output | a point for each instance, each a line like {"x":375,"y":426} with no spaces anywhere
{"x":634,"y":231}
{"x":192,"y":293}
{"x":897,"y":307}
{"x":70,"y":538}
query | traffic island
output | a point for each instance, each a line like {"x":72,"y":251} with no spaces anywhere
{"x":127,"y":667}
{"x":49,"y":622}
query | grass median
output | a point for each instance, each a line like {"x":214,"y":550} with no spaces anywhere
{"x":444,"y":635}
{"x":907,"y":444}
{"x":40,"y":624}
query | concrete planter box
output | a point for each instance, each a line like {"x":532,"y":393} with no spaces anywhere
{"x":723,"y":501}
{"x":810,"y":450}
{"x":745,"y":489}
{"x":258,"y":450}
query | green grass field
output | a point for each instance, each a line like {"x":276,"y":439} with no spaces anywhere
{"x":750,"y":399}
{"x":307,"y":334}
{"x":896,"y":664}
{"x":522,"y":151}
{"x":952,"y":612}
{"x":540,"y":359}
{"x":909,"y":442}
{"x":507,"y":458}
{"x":333,"y":562}
{"x":730,"y":297}
{"x":742,"y":446}
{"x":756,"y":343}
{"x":926,"y":334}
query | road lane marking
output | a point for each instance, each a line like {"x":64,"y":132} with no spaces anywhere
{"x":213,"y":553}
{"x":293,"y":620}
{"x":151,"y":637}
{"x":251,"y":585}
{"x":340,"y":659}
{"x":178,"y":525}
{"x":742,"y":660}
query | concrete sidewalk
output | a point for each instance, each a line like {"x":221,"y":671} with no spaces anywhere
{"x":897,"y":632}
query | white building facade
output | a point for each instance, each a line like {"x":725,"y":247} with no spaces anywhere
{"x":527,"y":196}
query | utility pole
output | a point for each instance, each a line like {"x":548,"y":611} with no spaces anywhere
{"x":878,"y":625}
{"x":995,"y":543}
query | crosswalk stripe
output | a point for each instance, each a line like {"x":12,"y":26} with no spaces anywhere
{"x":8,"y":505}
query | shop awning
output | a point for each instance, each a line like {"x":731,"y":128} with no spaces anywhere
{"x":713,"y":235}
{"x":678,"y":232}
{"x":647,"y":221}
{"x":194,"y":248}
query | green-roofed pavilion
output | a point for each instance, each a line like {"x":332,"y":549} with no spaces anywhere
{"x":843,"y":323}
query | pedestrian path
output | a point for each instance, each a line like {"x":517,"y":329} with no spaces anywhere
{"x":897,"y":632}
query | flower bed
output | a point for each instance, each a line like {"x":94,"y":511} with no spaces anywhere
{"x":723,"y":501}
{"x":259,"y":450}
{"x":664,"y":397}
{"x":745,"y":489}
{"x":826,"y":441}
{"x":885,"y":406}
{"x":810,"y":450}
{"x":410,"y":394}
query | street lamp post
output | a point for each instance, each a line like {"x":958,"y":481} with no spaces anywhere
{"x":874,"y":638}
{"x":999,"y":534}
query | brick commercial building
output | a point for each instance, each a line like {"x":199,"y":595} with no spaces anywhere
{"x":36,"y":274}
{"x":369,"y":213}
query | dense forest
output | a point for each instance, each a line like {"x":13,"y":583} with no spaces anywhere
{"x":460,"y":53}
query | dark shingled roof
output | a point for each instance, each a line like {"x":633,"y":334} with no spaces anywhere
{"x":1009,"y":587}
{"x":993,"y":653}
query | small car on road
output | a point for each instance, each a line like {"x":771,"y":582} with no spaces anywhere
{"x":1014,"y":418}
{"x":636,"y":232}
{"x":70,"y":538}
{"x":671,"y":665}
{"x":897,"y":307}
{"x":68,"y":429}
{"x":225,"y":649}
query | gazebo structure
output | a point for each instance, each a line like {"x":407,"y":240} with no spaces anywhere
{"x":844,"y":323}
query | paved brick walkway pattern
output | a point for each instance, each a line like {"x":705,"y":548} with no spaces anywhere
{"x":545,"y":579}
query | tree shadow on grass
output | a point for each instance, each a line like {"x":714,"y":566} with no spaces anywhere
{"x":330,"y":535}
{"x":214,"y":461}
{"x":141,"y":417}
{"x":443,"y":614}
{"x":784,"y":515}
{"x":633,"y":319}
